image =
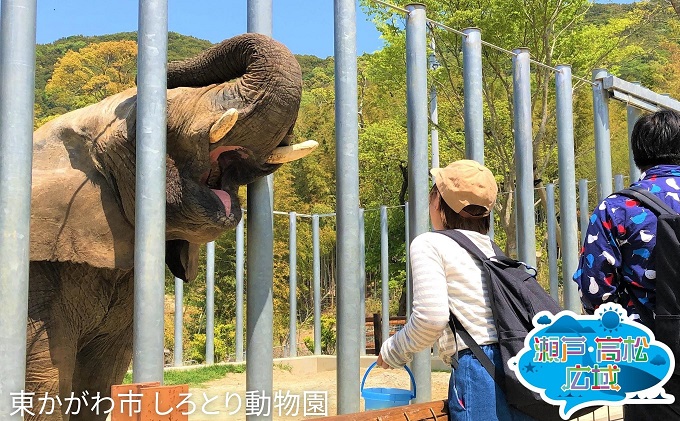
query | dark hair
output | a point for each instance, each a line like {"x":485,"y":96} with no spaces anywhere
{"x":656,"y":139}
{"x":453,"y":220}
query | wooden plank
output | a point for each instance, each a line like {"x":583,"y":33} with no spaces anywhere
{"x":428,"y":411}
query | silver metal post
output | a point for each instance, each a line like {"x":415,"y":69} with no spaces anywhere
{"x":552,"y":242}
{"x":524,"y":156}
{"x":584,"y":209}
{"x":292,"y":281}
{"x":567,"y":174}
{"x":210,"y":303}
{"x":632,"y":116}
{"x":418,"y":183}
{"x":473,"y":105}
{"x":316,"y":262}
{"x":409,"y":280}
{"x":149,"y":272}
{"x":434,"y":113}
{"x":260,"y":264}
{"x":179,"y":325}
{"x":240,"y":233}
{"x":385,"y":273}
{"x":17,"y":82}
{"x":618,"y":182}
{"x":347,"y":192}
{"x":603,"y":155}
{"x":362,"y":270}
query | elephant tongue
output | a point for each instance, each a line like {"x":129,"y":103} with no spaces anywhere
{"x":224,"y":198}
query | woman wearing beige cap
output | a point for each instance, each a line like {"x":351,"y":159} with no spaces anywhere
{"x":446,"y":278}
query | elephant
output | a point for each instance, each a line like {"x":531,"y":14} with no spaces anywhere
{"x":231,"y":111}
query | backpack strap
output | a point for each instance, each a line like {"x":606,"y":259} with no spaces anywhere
{"x":649,"y":199}
{"x":466,"y":244}
{"x":457,"y":328}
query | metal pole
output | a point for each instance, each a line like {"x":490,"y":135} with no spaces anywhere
{"x":17,"y":82}
{"x":583,"y":207}
{"x":362,"y":270}
{"x":434,"y":113}
{"x":292,"y":281}
{"x":409,"y":280}
{"x":473,"y":105}
{"x":240,"y":233}
{"x":316,"y":258}
{"x":260,"y":264}
{"x":149,"y":272}
{"x":618,"y":182}
{"x":524,"y":156}
{"x":385,"y":273}
{"x":179,"y":325}
{"x":210,"y":303}
{"x":347,"y":165}
{"x":418,"y":183}
{"x":567,"y":173}
{"x":552,"y":242}
{"x":632,"y":116}
{"x":603,"y":154}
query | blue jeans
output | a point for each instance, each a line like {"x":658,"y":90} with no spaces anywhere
{"x":474,"y":396}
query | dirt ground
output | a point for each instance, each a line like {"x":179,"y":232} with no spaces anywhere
{"x":295,"y":386}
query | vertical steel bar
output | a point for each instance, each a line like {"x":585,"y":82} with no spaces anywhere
{"x":603,"y":154}
{"x":316,"y":262}
{"x":362,"y":277}
{"x":552,"y":242}
{"x":473,"y":105}
{"x":210,"y":303}
{"x":418,"y":183}
{"x":618,"y":182}
{"x":434,"y":112}
{"x":385,"y":273}
{"x":240,"y":234}
{"x":179,"y":322}
{"x":17,"y":82}
{"x":584,"y":209}
{"x":148,"y":345}
{"x":292,"y":281}
{"x":347,"y":165}
{"x":567,"y":173}
{"x":260,"y":263}
{"x":524,"y":156}
{"x":632,"y":116}
{"x":409,"y":280}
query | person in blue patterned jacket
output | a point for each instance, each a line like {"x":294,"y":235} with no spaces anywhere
{"x":617,"y":259}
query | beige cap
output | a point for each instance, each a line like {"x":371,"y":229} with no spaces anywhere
{"x":464,"y":183}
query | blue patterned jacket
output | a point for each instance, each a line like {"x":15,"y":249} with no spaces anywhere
{"x":617,"y":258}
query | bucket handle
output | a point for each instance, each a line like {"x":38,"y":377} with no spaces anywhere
{"x":408,"y":370}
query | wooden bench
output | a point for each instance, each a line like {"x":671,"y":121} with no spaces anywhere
{"x":428,"y":411}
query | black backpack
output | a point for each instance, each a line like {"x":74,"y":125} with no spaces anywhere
{"x":666,"y":323}
{"x":516,"y":297}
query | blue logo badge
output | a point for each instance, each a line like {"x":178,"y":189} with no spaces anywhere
{"x":576,"y":361}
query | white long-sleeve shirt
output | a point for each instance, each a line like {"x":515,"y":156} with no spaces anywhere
{"x":445,"y":277}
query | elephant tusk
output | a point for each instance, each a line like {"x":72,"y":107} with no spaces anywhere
{"x":223,"y":125}
{"x":284,"y":154}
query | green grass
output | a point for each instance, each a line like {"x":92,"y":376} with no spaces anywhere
{"x":195,"y":377}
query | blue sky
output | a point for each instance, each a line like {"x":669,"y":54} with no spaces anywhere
{"x":305,"y":26}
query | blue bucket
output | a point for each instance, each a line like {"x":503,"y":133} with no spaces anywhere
{"x":386,"y":397}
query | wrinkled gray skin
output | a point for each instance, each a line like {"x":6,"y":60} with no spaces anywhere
{"x":82,"y":217}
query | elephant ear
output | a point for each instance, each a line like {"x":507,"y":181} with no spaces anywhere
{"x":181,"y":257}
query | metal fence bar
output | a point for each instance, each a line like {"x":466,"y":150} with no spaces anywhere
{"x":362,"y":277}
{"x":567,"y":173}
{"x":418,"y":183}
{"x":618,"y":182}
{"x":385,"y":273}
{"x":260,"y":269}
{"x":292,"y":282}
{"x":473,"y":104}
{"x":349,"y":318}
{"x":584,"y":208}
{"x":316,"y":263}
{"x":409,"y":280}
{"x":524,"y":156}
{"x":210,"y":303}
{"x":603,"y":156}
{"x":149,"y":272}
{"x":17,"y":82}
{"x":240,"y":234}
{"x":552,"y":242}
{"x":179,"y":323}
{"x":632,"y":116}
{"x":434,"y":112}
